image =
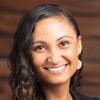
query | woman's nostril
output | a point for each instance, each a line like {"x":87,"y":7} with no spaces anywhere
{"x":55,"y":59}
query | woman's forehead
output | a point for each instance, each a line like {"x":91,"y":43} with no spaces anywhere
{"x":54,"y":25}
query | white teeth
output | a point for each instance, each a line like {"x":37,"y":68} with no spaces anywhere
{"x":56,"y":69}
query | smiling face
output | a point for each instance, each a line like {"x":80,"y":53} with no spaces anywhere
{"x":55,"y":50}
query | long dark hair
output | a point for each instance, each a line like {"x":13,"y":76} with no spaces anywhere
{"x":23,"y":82}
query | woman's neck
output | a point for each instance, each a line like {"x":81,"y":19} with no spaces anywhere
{"x":57,"y":92}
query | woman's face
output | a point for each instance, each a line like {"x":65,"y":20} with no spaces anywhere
{"x":55,"y":50}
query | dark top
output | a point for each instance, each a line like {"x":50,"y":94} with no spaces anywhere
{"x":78,"y":96}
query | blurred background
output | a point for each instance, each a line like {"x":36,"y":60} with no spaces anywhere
{"x":87,"y":14}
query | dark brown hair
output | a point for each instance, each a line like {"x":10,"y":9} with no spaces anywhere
{"x":23,"y":81}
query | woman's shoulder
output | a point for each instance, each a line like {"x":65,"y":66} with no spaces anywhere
{"x":78,"y":96}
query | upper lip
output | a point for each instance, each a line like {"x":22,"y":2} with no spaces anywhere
{"x":56,"y":66}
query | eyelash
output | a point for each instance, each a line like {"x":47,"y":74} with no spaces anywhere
{"x":39,"y":48}
{"x":64,"y":43}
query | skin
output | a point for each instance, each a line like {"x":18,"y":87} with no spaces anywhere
{"x":55,"y":45}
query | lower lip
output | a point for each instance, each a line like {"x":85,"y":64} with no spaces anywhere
{"x":57,"y":71}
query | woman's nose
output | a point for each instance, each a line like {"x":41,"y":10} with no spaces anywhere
{"x":54,"y":57}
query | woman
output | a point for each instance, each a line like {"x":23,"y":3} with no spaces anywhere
{"x":45,"y":58}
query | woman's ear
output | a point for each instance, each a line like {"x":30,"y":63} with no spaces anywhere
{"x":79,"y":45}
{"x":79,"y":64}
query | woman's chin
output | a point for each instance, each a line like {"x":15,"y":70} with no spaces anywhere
{"x":57,"y":81}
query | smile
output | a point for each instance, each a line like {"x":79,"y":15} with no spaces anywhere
{"x":56,"y":69}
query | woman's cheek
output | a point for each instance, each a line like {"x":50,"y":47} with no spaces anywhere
{"x":38,"y":59}
{"x":70,"y":53}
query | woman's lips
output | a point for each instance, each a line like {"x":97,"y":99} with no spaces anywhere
{"x":56,"y":69}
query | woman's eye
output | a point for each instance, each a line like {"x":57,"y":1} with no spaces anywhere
{"x":39,"y":48}
{"x":64,"y":44}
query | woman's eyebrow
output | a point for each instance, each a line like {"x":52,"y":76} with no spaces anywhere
{"x":38,"y":42}
{"x":65,"y":36}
